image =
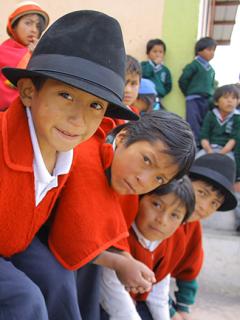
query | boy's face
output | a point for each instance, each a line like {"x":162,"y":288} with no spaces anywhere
{"x":207,"y":53}
{"x":63,"y":116}
{"x":141,"y":105}
{"x":132,"y":83}
{"x":227,"y":104}
{"x":159,"y":216}
{"x":27,"y":29}
{"x":140,"y":167}
{"x":207,"y":200}
{"x":156,"y":54}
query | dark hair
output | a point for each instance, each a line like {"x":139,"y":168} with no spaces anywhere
{"x":133,"y":66}
{"x":155,"y":42}
{"x":227,"y":89}
{"x":214,"y":186}
{"x":149,"y":99}
{"x":204,"y":43}
{"x":183,"y":189}
{"x":41,"y":24}
{"x":167,"y":127}
{"x":38,"y":82}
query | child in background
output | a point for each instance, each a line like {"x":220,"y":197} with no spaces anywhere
{"x":155,"y":70}
{"x":197,"y":84}
{"x":147,"y":94}
{"x":213,"y":187}
{"x":221,"y":126}
{"x":62,"y":102}
{"x":159,"y":215}
{"x":133,"y":75}
{"x":25,"y":26}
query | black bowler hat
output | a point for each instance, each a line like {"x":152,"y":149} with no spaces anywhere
{"x":85,"y":50}
{"x":219,"y":170}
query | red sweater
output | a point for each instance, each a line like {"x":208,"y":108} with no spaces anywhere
{"x":11,"y":54}
{"x":89,"y":218}
{"x":163,"y":259}
{"x":20,"y":219}
{"x":190,"y":265}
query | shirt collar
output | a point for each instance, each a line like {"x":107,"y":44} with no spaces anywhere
{"x":228,"y":117}
{"x":203,"y":62}
{"x":147,"y":244}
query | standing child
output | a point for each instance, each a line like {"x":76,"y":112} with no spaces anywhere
{"x":159,"y":215}
{"x":197,"y":84}
{"x":213,"y":187}
{"x":155,"y":70}
{"x":25,"y":26}
{"x":62,"y":102}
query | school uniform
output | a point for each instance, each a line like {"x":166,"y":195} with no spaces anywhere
{"x":197,"y":85}
{"x":28,"y":194}
{"x":188,"y":268}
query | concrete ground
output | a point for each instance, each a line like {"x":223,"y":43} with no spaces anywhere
{"x":219,"y":282}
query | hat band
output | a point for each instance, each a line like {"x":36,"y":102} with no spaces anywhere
{"x":78,"y":68}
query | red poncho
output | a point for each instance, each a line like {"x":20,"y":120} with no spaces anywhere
{"x":12,"y":54}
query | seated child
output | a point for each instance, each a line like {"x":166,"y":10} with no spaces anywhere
{"x":221,"y":126}
{"x":146,"y":98}
{"x":25,"y":26}
{"x":62,"y":102}
{"x":213,"y":187}
{"x":143,"y":155}
{"x":133,"y":75}
{"x":197,"y":84}
{"x":159,"y":215}
{"x":155,"y":70}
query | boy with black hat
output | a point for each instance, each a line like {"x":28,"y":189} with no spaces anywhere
{"x":65,"y":92}
{"x":212,"y":176}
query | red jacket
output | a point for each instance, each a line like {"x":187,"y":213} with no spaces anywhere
{"x":89,"y":218}
{"x":11,"y":55}
{"x":190,"y":265}
{"x":19,"y":219}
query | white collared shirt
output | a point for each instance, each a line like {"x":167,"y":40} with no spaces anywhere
{"x":43,"y":180}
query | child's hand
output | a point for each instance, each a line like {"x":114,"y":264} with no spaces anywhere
{"x":185,"y":315}
{"x":135,"y":275}
{"x":32,"y":45}
{"x":177,"y":316}
{"x":237,"y":186}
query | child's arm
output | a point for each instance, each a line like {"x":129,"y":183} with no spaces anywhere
{"x":157,"y":300}
{"x":228,"y":146}
{"x":133,"y":274}
{"x":185,"y":78}
{"x":206,"y":145}
{"x":114,"y":299}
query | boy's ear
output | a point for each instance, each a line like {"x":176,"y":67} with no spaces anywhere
{"x":120,"y":137}
{"x":26,"y":90}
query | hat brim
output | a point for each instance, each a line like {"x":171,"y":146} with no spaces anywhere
{"x":116,"y":109}
{"x":230,"y":201}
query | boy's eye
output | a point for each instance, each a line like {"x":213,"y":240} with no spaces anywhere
{"x":159,"y":180}
{"x":157,"y":204}
{"x":176,"y":216}
{"x":66,"y":96}
{"x":201,"y":193}
{"x":96,"y":105}
{"x":147,"y":160}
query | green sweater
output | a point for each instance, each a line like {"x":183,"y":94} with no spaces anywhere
{"x":196,"y":79}
{"x":162,"y":78}
{"x":220,"y":133}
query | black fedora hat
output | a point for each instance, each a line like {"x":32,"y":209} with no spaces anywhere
{"x":220,"y":170}
{"x":85,"y":50}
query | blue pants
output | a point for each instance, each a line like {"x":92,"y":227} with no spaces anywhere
{"x":88,"y":277}
{"x":196,"y":110}
{"x":38,"y":288}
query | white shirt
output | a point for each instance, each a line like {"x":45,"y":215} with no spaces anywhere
{"x":117,"y":302}
{"x":43,"y":180}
